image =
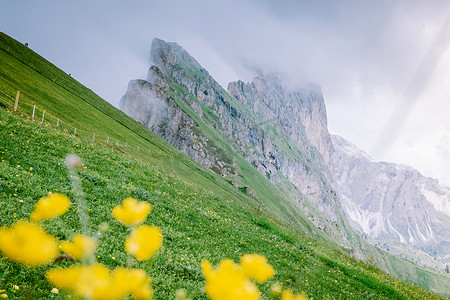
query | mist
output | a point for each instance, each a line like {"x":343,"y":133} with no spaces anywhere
{"x":364,"y":54}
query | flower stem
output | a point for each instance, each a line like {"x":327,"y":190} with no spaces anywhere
{"x":73,"y":162}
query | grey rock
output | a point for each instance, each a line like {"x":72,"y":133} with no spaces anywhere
{"x":149,"y":104}
{"x":291,"y":137}
{"x":393,"y":202}
{"x":282,"y":132}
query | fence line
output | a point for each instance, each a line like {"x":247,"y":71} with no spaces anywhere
{"x":7,"y":95}
{"x":50,"y":119}
{"x":4,"y":101}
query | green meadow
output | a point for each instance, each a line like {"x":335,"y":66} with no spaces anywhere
{"x":202,"y":216}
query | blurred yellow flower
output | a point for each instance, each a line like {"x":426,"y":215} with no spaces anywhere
{"x":81,"y":247}
{"x":144,"y":241}
{"x":132,"y":212}
{"x":98,"y":282}
{"x":4,"y":296}
{"x":228,"y":282}
{"x":288,"y":295}
{"x":55,"y":291}
{"x":28,"y":243}
{"x":50,"y":207}
{"x":256,"y":267}
{"x":137,"y":283}
{"x":144,"y":291}
{"x":16,"y":287}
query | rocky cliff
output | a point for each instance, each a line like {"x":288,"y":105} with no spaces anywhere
{"x":300,"y":112}
{"x":150,"y":104}
{"x":392,"y":202}
{"x":300,"y":122}
{"x":282,"y":133}
{"x":272,"y":142}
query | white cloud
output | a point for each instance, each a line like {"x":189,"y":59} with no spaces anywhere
{"x":363,"y":53}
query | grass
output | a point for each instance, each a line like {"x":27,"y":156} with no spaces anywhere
{"x":197,"y":223}
{"x":202,"y":215}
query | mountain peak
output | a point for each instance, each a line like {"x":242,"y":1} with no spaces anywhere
{"x":300,"y":110}
{"x":349,"y":148}
{"x":170,"y":57}
{"x":278,"y":133}
{"x":267,"y":131}
{"x":377,"y":195}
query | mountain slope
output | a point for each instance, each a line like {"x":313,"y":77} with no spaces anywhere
{"x":183,"y":104}
{"x":197,"y":223}
{"x":392,"y":202}
{"x":201,"y":214}
{"x":261,"y":137}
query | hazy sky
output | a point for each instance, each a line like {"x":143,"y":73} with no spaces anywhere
{"x":384,"y":65}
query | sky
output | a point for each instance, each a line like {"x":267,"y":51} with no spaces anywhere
{"x":383,"y":65}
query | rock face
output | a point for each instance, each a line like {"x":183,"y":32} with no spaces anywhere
{"x":150,"y":104}
{"x":300,"y":112}
{"x":265,"y":128}
{"x":290,"y":137}
{"x":392,"y":202}
{"x":281,"y":132}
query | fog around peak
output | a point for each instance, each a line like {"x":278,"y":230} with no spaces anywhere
{"x":363,"y":54}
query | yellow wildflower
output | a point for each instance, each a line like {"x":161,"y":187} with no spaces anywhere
{"x":288,"y":295}
{"x":228,"y":282}
{"x":134,"y":279}
{"x":28,"y":243}
{"x":255,"y":266}
{"x":144,"y":291}
{"x":55,"y":291}
{"x":132,"y":212}
{"x":16,"y":287}
{"x":89,"y":282}
{"x":81,"y":247}
{"x":50,"y":207}
{"x":4,"y":296}
{"x":98,"y":282}
{"x":144,"y":241}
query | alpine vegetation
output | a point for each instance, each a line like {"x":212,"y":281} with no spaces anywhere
{"x":248,"y":209}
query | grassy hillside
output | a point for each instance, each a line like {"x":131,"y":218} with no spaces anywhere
{"x":201,"y":215}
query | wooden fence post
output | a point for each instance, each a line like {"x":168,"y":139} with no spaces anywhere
{"x":17,"y":100}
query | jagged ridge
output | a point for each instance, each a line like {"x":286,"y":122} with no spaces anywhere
{"x":280,"y":132}
{"x":393,"y":202}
